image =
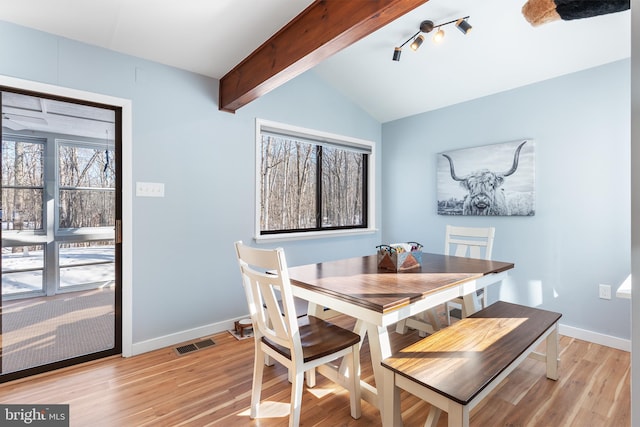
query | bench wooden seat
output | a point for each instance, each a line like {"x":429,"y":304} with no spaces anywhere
{"x":456,"y":367}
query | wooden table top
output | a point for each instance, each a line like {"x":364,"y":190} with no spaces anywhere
{"x":359,"y":281}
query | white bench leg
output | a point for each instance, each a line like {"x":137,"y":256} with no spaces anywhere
{"x":391,"y":412}
{"x":552,"y":354}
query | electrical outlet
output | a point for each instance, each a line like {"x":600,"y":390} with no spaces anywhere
{"x":605,"y":292}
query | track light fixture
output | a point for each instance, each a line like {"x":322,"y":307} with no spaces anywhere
{"x":463,"y":25}
{"x":416,"y":42}
{"x":396,"y":54}
{"x":426,"y":27}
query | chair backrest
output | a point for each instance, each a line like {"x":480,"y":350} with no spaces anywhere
{"x":266,"y":283}
{"x":469,"y":242}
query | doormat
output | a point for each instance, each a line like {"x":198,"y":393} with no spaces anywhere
{"x":248,"y":333}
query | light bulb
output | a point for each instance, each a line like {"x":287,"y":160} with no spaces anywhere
{"x":416,"y":42}
{"x":438,"y":36}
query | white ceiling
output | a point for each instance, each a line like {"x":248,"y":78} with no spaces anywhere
{"x":25,"y":112}
{"x":210,"y":37}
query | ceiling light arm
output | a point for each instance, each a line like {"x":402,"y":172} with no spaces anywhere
{"x":426,"y":27}
{"x":451,"y":22}
{"x":409,"y":39}
{"x":434,"y":26}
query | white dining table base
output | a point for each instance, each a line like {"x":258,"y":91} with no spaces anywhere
{"x":379,"y":349}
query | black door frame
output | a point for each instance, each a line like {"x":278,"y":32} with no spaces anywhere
{"x":118,"y":320}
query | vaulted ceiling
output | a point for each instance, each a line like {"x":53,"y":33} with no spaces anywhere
{"x":502,"y":52}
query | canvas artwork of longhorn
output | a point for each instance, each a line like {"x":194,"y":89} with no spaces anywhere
{"x":497,"y":179}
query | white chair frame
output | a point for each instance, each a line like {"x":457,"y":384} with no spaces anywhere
{"x":272,"y":311}
{"x":468,"y":242}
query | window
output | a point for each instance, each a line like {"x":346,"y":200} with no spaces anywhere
{"x":22,"y":183}
{"x":80,"y":244}
{"x":310,"y":181}
{"x":22,"y":270}
{"x":86,"y":177}
{"x":86,"y":264}
{"x":58,"y":196}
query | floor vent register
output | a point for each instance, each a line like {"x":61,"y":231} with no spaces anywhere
{"x":194,"y":346}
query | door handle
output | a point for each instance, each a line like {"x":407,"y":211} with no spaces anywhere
{"x":118,"y":231}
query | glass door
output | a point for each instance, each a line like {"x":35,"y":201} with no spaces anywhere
{"x":60,"y":233}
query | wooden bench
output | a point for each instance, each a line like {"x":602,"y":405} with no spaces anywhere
{"x":456,"y":367}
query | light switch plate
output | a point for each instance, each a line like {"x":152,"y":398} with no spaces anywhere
{"x":149,"y":189}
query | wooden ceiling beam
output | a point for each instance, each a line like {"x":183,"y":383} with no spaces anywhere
{"x":322,"y":29}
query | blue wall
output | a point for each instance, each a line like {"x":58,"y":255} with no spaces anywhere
{"x":580,"y":234}
{"x":185,"y":275}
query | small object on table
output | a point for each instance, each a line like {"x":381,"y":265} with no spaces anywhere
{"x":241,"y":325}
{"x":399,"y":257}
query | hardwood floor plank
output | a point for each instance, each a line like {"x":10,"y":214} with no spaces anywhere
{"x":211,"y":387}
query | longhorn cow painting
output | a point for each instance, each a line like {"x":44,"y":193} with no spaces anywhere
{"x":496,"y":179}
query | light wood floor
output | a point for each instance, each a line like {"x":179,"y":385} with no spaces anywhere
{"x":212,"y":387}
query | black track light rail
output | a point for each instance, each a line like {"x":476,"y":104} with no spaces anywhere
{"x":435,"y":26}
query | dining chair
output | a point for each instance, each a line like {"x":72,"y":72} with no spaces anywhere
{"x":300,"y":344}
{"x":468,"y":242}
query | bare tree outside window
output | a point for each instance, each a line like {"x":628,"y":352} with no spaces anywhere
{"x":288,"y":182}
{"x":308,"y":185}
{"x":87,"y":186}
{"x":342,"y":188}
{"x":22,"y":184}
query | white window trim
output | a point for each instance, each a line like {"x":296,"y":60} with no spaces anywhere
{"x":317,"y":136}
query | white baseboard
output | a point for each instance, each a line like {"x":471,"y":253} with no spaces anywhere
{"x":182,"y":336}
{"x":214,"y":328}
{"x":594,"y":337}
